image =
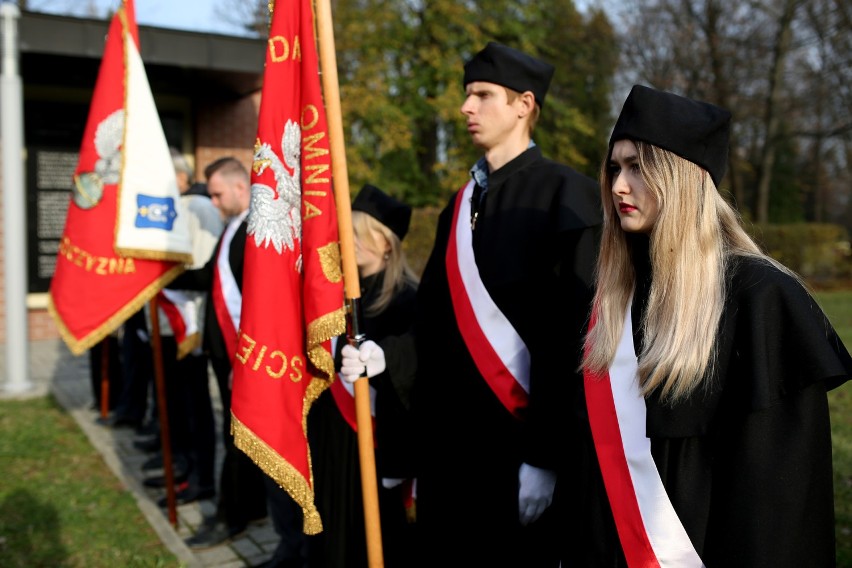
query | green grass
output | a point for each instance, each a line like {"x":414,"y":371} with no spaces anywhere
{"x":838,"y":307}
{"x":60,"y":505}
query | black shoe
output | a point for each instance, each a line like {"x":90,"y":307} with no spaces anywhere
{"x":159,"y":481}
{"x":149,"y":428}
{"x":287,"y":563}
{"x":188,"y":495}
{"x":118,"y":421}
{"x":218,"y":534}
{"x":149,"y":445}
{"x":154,"y":462}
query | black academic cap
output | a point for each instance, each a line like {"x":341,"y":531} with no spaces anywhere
{"x":511,"y":68}
{"x":394,"y":214}
{"x":694,"y":130}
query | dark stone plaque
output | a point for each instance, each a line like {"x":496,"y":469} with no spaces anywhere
{"x":49,"y":182}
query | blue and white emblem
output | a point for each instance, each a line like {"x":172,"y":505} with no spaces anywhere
{"x":155,"y":212}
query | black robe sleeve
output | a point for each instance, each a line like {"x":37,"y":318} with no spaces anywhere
{"x":747,"y":462}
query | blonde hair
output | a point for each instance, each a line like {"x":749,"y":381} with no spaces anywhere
{"x":694,"y":239}
{"x":398,"y":273}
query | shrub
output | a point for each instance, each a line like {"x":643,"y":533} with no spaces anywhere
{"x":819,"y":252}
{"x":421,"y":236}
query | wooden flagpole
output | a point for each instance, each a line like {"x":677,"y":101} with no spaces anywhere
{"x":162,"y":411}
{"x":105,"y":377}
{"x":352,"y":287}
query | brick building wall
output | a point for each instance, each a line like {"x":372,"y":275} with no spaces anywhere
{"x":226,"y":129}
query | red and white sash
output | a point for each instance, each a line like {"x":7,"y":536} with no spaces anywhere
{"x":649,"y":529}
{"x":496,"y":348}
{"x":344,"y":398}
{"x":182,"y":313}
{"x":226,"y":295}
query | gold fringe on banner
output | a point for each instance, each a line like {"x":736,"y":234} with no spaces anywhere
{"x":80,"y":346}
{"x":284,"y":474}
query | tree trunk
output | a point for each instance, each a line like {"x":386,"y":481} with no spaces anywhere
{"x":772,"y":119}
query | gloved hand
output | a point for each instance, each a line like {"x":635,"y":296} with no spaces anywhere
{"x":355,"y":359}
{"x":391,"y":482}
{"x":536,"y":492}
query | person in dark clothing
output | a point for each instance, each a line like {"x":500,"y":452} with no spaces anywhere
{"x":108,"y":348}
{"x":503,"y":298}
{"x":388,"y":292}
{"x":137,"y":365}
{"x":705,"y":426}
{"x":190,"y":415}
{"x":241,"y":497}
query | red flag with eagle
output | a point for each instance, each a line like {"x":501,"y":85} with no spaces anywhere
{"x":125,"y":237}
{"x":292,"y":280}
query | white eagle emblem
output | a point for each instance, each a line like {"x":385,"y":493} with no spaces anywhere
{"x":89,"y":186}
{"x":275,"y":217}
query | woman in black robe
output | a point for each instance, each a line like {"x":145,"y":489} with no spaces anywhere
{"x":388,"y":291}
{"x":705,"y":430}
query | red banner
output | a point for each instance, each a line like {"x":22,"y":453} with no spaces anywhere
{"x":96,"y":287}
{"x":292,"y":280}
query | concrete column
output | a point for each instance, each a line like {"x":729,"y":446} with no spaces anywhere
{"x":14,"y":207}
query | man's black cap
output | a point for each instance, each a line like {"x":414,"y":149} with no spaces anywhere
{"x":394,"y":214}
{"x":694,"y":130}
{"x":502,"y":65}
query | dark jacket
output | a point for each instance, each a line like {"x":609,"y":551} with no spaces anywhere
{"x":202,"y":279}
{"x":535,"y":243}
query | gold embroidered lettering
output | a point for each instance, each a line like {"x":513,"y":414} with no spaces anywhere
{"x":297,"y":49}
{"x":279,"y":49}
{"x":264,"y":359}
{"x":309,"y":146}
{"x":100,"y":265}
{"x":311,"y":211}
{"x":312,"y":112}
{"x":280,"y":372}
{"x":316,"y":170}
{"x":243,"y":353}
{"x":78,"y":256}
{"x":297,"y":364}
{"x":260,"y":355}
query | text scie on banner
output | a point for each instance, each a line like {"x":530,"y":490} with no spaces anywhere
{"x":125,"y":236}
{"x":292,"y":281}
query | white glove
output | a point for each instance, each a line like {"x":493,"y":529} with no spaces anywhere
{"x":536,"y":492}
{"x":391,"y":482}
{"x":355,"y":359}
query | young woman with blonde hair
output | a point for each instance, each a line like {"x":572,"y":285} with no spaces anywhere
{"x":388,"y":292}
{"x":704,"y":414}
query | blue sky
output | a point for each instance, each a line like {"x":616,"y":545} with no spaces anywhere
{"x":195,"y":15}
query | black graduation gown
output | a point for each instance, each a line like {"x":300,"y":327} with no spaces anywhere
{"x":746,"y":462}
{"x":335,"y":457}
{"x":535,"y":243}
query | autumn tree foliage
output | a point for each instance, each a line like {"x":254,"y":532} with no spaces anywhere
{"x":400,"y":67}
